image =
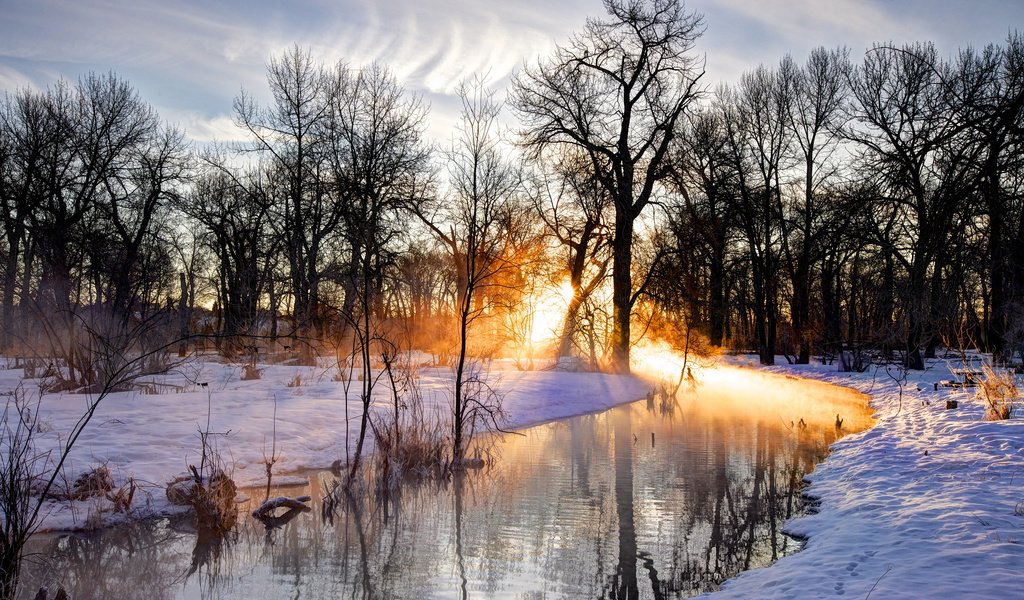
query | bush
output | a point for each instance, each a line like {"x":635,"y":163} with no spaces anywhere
{"x":999,"y":387}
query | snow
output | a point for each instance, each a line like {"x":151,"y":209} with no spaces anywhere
{"x":154,"y":437}
{"x":928,"y":503}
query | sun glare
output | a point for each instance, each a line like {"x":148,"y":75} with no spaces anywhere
{"x":657,"y":360}
{"x":549,"y":308}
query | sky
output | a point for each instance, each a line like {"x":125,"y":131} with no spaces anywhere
{"x":189,"y":59}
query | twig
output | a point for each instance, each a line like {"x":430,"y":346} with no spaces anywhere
{"x":876,"y":582}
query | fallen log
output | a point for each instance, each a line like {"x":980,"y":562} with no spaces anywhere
{"x":266,"y":510}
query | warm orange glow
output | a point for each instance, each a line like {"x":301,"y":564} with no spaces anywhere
{"x":657,"y":360}
{"x":550,"y":306}
{"x":783,"y":400}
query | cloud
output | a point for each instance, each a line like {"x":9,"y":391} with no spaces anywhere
{"x":742,"y":33}
{"x":190,"y":58}
{"x":12,"y":79}
{"x":203,"y":128}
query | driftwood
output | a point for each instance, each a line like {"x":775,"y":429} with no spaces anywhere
{"x":266,"y":510}
{"x":273,"y":522}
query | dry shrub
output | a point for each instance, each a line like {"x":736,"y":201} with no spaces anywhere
{"x":416,"y":448}
{"x":213,"y":499}
{"x":209,"y":490}
{"x":410,"y":442}
{"x":999,"y":387}
{"x":96,"y":482}
{"x":250,"y":372}
{"x":124,"y":495}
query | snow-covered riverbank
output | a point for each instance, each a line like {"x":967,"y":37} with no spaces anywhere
{"x":153,"y":437}
{"x":929,"y":503}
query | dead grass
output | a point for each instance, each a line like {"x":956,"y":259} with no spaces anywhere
{"x":416,"y":448}
{"x":213,"y":499}
{"x":250,"y":372}
{"x":96,"y":482}
{"x":998,"y":387}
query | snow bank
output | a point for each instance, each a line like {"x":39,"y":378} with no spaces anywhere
{"x":153,"y":437}
{"x":929,"y":503}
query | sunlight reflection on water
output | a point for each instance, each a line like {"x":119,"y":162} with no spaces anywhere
{"x":658,"y":498}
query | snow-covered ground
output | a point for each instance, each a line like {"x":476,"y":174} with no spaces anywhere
{"x":929,"y":503}
{"x":154,"y":437}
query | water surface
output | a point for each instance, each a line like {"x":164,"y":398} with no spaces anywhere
{"x":655,"y":499}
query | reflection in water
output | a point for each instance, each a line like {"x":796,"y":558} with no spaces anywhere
{"x":663,"y":498}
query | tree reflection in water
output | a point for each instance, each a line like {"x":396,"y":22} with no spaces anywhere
{"x":664,"y":498}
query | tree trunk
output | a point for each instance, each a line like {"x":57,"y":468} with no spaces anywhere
{"x":10,"y":282}
{"x":183,"y":316}
{"x":622,"y":290}
{"x":717,"y":308}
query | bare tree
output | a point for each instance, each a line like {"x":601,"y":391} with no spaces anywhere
{"x":705,"y":178}
{"x":379,"y":168}
{"x":292,"y":134}
{"x":1001,"y":109}
{"x":617,"y":92}
{"x":27,"y":132}
{"x":816,"y":116}
{"x":484,"y":201}
{"x":134,"y":199}
{"x":909,"y":119}
{"x":234,"y":209}
{"x":756,"y":121}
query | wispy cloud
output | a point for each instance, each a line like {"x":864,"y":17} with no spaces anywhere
{"x":191,"y":58}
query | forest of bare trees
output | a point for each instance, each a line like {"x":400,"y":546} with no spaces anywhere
{"x":839,"y":206}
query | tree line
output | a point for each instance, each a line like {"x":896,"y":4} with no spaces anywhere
{"x":831,"y":207}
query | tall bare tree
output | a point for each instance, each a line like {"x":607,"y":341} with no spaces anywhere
{"x":704,"y":176}
{"x":1001,"y":111}
{"x":756,"y":120}
{"x":816,"y":115}
{"x":617,"y":91}
{"x":909,"y":120}
{"x":572,"y":204}
{"x":292,"y":134}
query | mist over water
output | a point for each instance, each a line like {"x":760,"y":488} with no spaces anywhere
{"x":662,"y":498}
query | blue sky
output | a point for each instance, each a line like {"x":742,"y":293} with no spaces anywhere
{"x":189,"y":59}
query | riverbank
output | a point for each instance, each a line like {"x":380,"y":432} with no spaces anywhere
{"x":297,"y":413}
{"x":928,"y":503}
